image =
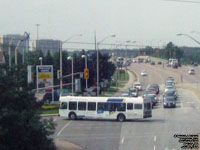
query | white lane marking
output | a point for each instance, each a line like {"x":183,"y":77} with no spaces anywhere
{"x":122,"y":141}
{"x":154,"y":148}
{"x":55,"y":119}
{"x":154,"y":138}
{"x":64,"y":128}
{"x":173,"y":149}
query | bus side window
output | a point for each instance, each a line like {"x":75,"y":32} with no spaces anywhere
{"x":91,"y":106}
{"x":121,"y":106}
{"x":81,"y":105}
{"x":112,"y":107}
{"x":63,"y":105}
{"x":138,"y":106}
{"x":72,"y":105}
{"x":102,"y":107}
{"x":130,"y":106}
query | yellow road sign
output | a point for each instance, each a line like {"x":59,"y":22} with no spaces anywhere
{"x":86,"y":73}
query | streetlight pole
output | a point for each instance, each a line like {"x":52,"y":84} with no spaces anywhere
{"x":18,"y":43}
{"x":37,"y":25}
{"x":72,"y":59}
{"x":97,"y":48}
{"x":61,"y":66}
{"x":86,"y":80}
{"x":9,"y":51}
{"x":25,"y":39}
{"x":180,"y":34}
{"x":40,"y":58}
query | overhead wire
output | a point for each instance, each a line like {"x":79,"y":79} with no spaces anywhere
{"x":183,"y":1}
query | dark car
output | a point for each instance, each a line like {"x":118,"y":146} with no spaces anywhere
{"x":152,"y":63}
{"x":152,"y":90}
{"x":195,"y":64}
{"x":48,"y":97}
{"x":170,"y":93}
{"x":156,"y":87}
{"x":153,"y":98}
{"x":175,"y":65}
{"x":170,"y":78}
{"x":159,"y":63}
{"x":169,"y":102}
{"x":133,"y":92}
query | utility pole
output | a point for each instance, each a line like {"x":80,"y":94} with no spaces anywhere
{"x":37,"y":25}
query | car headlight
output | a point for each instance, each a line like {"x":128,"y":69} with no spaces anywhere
{"x":165,"y":103}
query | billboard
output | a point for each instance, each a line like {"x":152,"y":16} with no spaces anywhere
{"x":45,"y":78}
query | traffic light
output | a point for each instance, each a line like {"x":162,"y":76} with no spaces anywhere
{"x":86,"y":73}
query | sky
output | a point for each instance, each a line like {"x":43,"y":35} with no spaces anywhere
{"x":148,"y":22}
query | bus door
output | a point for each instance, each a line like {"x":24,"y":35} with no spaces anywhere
{"x":102,"y":110}
{"x":63,"y":110}
{"x":138,"y":110}
{"x":147,"y":110}
{"x":130,"y":111}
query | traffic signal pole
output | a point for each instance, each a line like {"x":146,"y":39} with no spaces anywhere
{"x":86,"y":68}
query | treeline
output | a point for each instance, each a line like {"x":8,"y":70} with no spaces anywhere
{"x":106,"y":68}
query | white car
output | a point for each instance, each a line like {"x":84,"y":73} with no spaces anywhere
{"x":134,"y":61}
{"x":125,"y":94}
{"x":191,"y":71}
{"x":137,"y":85}
{"x":143,"y":73}
{"x":169,"y":88}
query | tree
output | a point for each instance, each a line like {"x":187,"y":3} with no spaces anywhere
{"x":48,"y":60}
{"x":172,"y":51}
{"x":20,"y":124}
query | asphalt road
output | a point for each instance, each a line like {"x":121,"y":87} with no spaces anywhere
{"x":156,"y":133}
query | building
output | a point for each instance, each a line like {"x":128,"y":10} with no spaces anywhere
{"x":12,"y":40}
{"x":46,"y":45}
{"x":2,"y":58}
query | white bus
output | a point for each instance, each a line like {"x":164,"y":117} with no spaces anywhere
{"x":120,"y":108}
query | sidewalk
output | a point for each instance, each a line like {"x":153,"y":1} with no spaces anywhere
{"x":65,"y":145}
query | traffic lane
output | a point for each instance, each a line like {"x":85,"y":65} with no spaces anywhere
{"x":191,"y":78}
{"x":181,"y":120}
{"x":187,"y":78}
{"x":163,"y":133}
{"x":164,"y":72}
{"x":144,"y":80}
{"x":92,"y":134}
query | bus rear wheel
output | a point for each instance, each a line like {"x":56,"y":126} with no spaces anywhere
{"x":72,"y":116}
{"x":121,"y":117}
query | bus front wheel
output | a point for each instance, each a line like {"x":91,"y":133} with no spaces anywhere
{"x":121,"y":117}
{"x":72,"y":116}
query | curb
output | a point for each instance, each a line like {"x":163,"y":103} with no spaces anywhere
{"x":49,"y":115}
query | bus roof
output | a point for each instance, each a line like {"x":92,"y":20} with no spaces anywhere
{"x":102,"y":99}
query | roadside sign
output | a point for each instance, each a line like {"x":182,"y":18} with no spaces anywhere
{"x":45,"y":78}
